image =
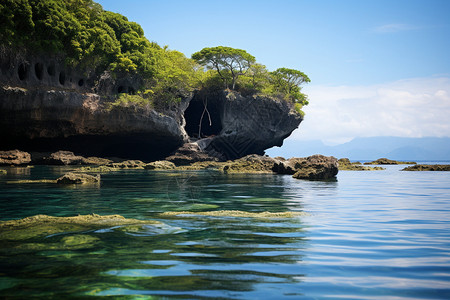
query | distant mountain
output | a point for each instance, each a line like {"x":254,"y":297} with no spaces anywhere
{"x":371,"y":148}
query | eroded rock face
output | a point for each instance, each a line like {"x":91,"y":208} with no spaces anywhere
{"x":45,"y":107}
{"x":232,"y":126}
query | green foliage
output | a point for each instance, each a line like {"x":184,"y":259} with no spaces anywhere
{"x":288,"y":81}
{"x":130,"y":101}
{"x":101,"y":40}
{"x":226,"y":61}
{"x":176,"y":77}
{"x":81,"y":30}
{"x":298,"y":108}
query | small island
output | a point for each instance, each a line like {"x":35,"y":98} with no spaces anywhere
{"x":385,"y":161}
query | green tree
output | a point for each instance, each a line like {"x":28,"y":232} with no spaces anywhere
{"x":226,"y":61}
{"x":288,"y":80}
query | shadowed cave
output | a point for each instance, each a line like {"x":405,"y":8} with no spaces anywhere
{"x":203,"y":117}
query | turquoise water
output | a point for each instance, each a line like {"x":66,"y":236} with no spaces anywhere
{"x":368,"y":235}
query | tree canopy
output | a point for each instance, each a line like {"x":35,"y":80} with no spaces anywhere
{"x":88,"y":36}
{"x":226,"y":61}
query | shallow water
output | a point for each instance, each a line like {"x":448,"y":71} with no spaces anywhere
{"x":368,"y":235}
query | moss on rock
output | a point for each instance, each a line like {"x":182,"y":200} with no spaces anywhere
{"x":43,"y":225}
{"x":250,"y":164}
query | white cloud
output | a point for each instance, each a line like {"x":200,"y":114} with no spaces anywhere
{"x":408,"y":108}
{"x":392,"y":28}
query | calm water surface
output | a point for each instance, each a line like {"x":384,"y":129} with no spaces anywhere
{"x":368,"y":235}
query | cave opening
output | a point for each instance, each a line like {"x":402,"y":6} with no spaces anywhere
{"x":39,"y":70}
{"x":62,"y":78}
{"x":81,"y":82}
{"x":23,"y":71}
{"x":203,"y":118}
{"x":51,"y":70}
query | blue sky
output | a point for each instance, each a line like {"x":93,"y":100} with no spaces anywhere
{"x":377,"y":67}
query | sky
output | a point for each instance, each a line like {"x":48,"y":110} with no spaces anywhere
{"x":377,"y":67}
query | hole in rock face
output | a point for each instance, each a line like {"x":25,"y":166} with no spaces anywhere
{"x":39,"y":70}
{"x":81,"y":82}
{"x":51,"y":70}
{"x":121,"y":89}
{"x":62,"y":78}
{"x":207,"y":121}
{"x":131,"y":90}
{"x":23,"y":71}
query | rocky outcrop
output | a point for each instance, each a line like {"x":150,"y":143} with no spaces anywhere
{"x":230,"y":126}
{"x":346,"y":165}
{"x":385,"y":161}
{"x":160,"y":165}
{"x":14,"y":157}
{"x":63,"y":158}
{"x":46,"y":106}
{"x":188,"y":154}
{"x":250,"y":164}
{"x":128,"y":164}
{"x":427,"y":168}
{"x":315,"y":167}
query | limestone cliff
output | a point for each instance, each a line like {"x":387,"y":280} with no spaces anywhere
{"x":45,"y":106}
{"x":233,"y":126}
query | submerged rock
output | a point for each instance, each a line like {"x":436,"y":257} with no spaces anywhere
{"x":427,"y":168}
{"x":43,"y":225}
{"x":14,"y":157}
{"x":235,"y":213}
{"x":78,"y":178}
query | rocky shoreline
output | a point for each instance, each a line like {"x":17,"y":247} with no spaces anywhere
{"x":316,"y":167}
{"x":191,"y":157}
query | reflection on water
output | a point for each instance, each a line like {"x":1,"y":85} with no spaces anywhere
{"x":368,"y":235}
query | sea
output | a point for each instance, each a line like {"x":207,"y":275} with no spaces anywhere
{"x":366,"y":235}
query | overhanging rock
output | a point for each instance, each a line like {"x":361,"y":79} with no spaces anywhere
{"x":227,"y":125}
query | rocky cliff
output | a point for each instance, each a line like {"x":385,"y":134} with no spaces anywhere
{"x":46,"y":106}
{"x":231,"y":126}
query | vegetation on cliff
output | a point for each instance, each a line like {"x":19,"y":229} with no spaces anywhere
{"x":93,"y":39}
{"x":239,"y":68}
